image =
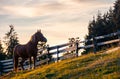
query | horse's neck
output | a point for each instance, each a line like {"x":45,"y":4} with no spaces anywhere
{"x":33,"y":43}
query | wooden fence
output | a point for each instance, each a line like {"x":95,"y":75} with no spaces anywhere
{"x":7,"y":65}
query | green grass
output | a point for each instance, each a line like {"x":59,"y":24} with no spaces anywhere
{"x":92,"y":66}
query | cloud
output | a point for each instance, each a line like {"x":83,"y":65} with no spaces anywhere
{"x":19,"y":11}
{"x":93,"y":1}
{"x":31,"y":8}
{"x":59,"y":19}
{"x":51,"y":11}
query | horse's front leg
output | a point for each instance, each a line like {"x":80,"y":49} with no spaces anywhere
{"x":34,"y":58}
{"x":30,"y":62}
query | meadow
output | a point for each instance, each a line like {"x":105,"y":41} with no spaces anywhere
{"x":92,"y":66}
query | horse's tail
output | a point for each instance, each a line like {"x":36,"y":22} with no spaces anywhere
{"x":15,"y":58}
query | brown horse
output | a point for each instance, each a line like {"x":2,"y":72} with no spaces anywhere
{"x":28,"y":50}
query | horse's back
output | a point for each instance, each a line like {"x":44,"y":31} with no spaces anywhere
{"x":19,"y":50}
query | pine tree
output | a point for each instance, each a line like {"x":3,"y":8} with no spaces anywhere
{"x":1,"y":48}
{"x":11,"y":40}
{"x":102,"y":25}
{"x":2,"y":54}
{"x":116,"y":14}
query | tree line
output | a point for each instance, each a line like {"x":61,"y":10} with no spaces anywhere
{"x":104,"y":24}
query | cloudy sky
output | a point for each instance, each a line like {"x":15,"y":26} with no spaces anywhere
{"x":58,"y":19}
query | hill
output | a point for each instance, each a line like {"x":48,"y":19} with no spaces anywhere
{"x":91,"y":66}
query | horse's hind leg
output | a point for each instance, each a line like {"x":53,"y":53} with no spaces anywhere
{"x":15,"y":63}
{"x":34,"y":58}
{"x":21,"y":63}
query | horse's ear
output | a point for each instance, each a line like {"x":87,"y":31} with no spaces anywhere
{"x":39,"y":30}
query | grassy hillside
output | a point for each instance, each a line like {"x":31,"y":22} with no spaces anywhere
{"x":92,"y":66}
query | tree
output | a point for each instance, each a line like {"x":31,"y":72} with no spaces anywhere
{"x":116,"y":14}
{"x":73,"y":42}
{"x":42,"y":48}
{"x":102,"y":25}
{"x":11,"y":40}
{"x":2,"y":54}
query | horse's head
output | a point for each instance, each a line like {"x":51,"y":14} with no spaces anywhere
{"x":38,"y":36}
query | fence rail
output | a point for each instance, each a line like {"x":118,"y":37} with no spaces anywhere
{"x":7,"y":65}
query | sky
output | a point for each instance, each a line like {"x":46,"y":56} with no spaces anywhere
{"x":57,"y":19}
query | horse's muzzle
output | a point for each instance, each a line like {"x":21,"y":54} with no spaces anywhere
{"x":45,"y":40}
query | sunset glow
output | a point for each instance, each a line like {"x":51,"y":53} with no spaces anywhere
{"x":58,"y":19}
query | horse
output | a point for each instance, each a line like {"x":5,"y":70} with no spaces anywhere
{"x":28,"y":50}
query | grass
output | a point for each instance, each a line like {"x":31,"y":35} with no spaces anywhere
{"x":92,"y":66}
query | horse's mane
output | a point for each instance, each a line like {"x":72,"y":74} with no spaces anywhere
{"x":33,"y":37}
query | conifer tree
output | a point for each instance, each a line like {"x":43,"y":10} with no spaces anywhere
{"x":116,"y":14}
{"x":101,"y":25}
{"x":2,"y":54}
{"x":11,"y":40}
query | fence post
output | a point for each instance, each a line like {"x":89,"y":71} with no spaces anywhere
{"x":77,"y":44}
{"x":1,"y":68}
{"x":94,"y":45}
{"x":57,"y":53}
{"x":48,"y":53}
{"x":118,"y":36}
